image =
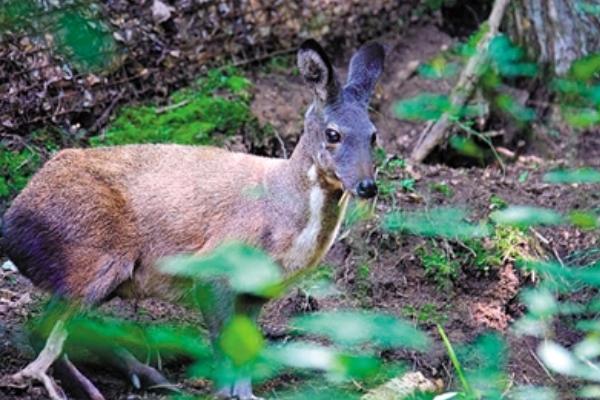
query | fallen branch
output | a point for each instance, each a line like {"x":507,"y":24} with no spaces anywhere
{"x":434,"y":134}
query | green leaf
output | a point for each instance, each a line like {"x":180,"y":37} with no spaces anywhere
{"x":4,"y":189}
{"x":586,"y":68}
{"x":563,"y":278}
{"x":507,"y":58}
{"x":485,"y":362}
{"x":247,"y":269}
{"x":438,"y":68}
{"x":309,"y":356}
{"x":497,"y":202}
{"x":540,"y":302}
{"x":523,"y":176}
{"x":524,"y":216}
{"x":584,"y":220}
{"x":241,"y":340}
{"x":85,"y":41}
{"x":408,"y":184}
{"x":581,"y":175}
{"x":354,"y":328}
{"x":532,"y":393}
{"x":557,"y":358}
{"x":466,"y":146}
{"x":582,"y":117}
{"x":178,"y":341}
{"x":589,"y":391}
{"x":357,"y":211}
{"x":444,"y":222}
{"x":424,"y":107}
{"x":514,"y":108}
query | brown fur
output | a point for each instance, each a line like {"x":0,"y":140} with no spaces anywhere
{"x":113,"y":213}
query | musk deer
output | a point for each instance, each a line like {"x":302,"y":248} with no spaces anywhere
{"x":94,"y":222}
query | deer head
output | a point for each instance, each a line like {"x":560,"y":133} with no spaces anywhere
{"x":339,"y":133}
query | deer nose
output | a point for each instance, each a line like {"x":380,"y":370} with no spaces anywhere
{"x":366,"y":188}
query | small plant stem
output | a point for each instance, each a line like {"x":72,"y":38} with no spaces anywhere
{"x":487,"y":141}
{"x":455,"y":362}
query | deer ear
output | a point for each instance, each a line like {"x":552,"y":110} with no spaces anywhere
{"x":366,"y":66}
{"x":317,"y":71}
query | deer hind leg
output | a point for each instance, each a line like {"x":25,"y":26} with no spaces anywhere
{"x":92,"y":285}
{"x":139,"y":374}
{"x":77,"y":383}
{"x":38,"y":368}
{"x":109,"y":274}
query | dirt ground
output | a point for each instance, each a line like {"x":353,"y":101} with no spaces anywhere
{"x":477,"y":302}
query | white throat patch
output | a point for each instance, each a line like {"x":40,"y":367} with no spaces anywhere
{"x":306,"y":243}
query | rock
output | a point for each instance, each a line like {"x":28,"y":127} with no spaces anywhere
{"x":9,"y":266}
{"x":161,"y":12}
{"x":401,"y":387}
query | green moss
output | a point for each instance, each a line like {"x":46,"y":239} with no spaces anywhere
{"x":390,"y":168}
{"x":16,"y":167}
{"x":216,"y":107}
{"x":443,"y":188}
{"x":483,"y":256}
{"x":439,"y":266}
{"x":427,"y":313}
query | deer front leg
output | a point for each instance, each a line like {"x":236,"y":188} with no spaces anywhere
{"x":218,"y":304}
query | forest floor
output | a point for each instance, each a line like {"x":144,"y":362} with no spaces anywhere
{"x":376,"y":270}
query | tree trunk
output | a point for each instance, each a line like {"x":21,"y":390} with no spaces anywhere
{"x":556,"y":32}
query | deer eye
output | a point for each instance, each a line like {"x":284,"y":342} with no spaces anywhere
{"x":332,"y":135}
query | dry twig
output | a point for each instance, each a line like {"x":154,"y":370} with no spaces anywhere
{"x":434,"y":134}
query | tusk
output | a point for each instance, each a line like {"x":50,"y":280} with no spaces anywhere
{"x":345,"y":195}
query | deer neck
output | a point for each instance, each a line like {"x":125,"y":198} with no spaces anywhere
{"x":318,"y":207}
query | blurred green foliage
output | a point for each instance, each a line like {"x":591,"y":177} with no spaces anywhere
{"x":439,"y":68}
{"x":589,"y":7}
{"x":74,"y":30}
{"x":357,"y":211}
{"x":241,"y":341}
{"x":216,"y":107}
{"x":484,"y":363}
{"x":359,"y":328}
{"x":241,"y":347}
{"x":423,"y":107}
{"x":579,"y":92}
{"x":231,"y":261}
{"x":548,"y":301}
{"x":524,"y":216}
{"x":505,"y":62}
{"x":581,"y":175}
{"x":441,"y":222}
